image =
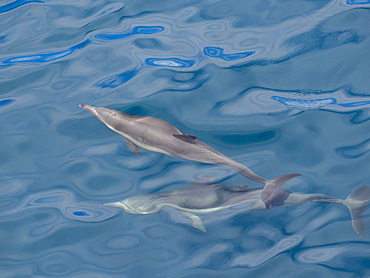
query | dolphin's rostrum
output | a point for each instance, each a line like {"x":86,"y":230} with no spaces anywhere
{"x":201,"y":197}
{"x":160,"y":136}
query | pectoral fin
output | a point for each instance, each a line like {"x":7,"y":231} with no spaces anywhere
{"x":196,"y":221}
{"x":186,"y":137}
{"x":132,"y":147}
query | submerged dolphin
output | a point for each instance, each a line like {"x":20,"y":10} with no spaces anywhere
{"x":160,"y":136}
{"x":206,"y":198}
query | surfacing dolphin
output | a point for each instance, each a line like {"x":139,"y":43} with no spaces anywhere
{"x":160,"y":136}
{"x":201,"y":197}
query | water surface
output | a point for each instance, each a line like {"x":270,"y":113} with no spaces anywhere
{"x":280,"y":86}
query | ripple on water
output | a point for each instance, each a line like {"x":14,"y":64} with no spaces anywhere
{"x":358,"y":2}
{"x":117,"y":243}
{"x":216,"y":255}
{"x":346,"y":256}
{"x":12,"y":192}
{"x":256,"y":258}
{"x":16,"y":4}
{"x":117,"y":79}
{"x":157,"y":232}
{"x":61,"y":263}
{"x":88,"y":214}
{"x":180,"y":173}
{"x":124,"y":242}
{"x":46,"y":57}
{"x":134,"y":31}
{"x":66,"y":203}
{"x":218,"y":52}
{"x":319,"y":255}
{"x":5,"y":102}
{"x":276,"y":101}
{"x":355,"y":151}
{"x":42,"y":230}
{"x":169,"y":62}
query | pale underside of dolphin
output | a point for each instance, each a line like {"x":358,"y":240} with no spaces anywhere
{"x":160,"y":136}
{"x":199,"y":198}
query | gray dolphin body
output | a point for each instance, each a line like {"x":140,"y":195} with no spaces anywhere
{"x":207,"y":198}
{"x":160,"y":136}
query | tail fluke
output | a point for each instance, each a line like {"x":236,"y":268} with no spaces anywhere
{"x":357,"y":202}
{"x":272,"y":186}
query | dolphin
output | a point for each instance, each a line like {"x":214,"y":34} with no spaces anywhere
{"x":160,"y":136}
{"x":201,"y":197}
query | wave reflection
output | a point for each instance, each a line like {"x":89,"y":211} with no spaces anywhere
{"x":169,"y":62}
{"x":17,"y":4}
{"x":134,"y":31}
{"x":218,"y":52}
{"x":117,"y":79}
{"x":358,"y":2}
{"x":5,"y":102}
{"x":46,"y":57}
{"x":259,"y":99}
{"x":66,"y":203}
{"x":336,"y":256}
{"x":356,"y":151}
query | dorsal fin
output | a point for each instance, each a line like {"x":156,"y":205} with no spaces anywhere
{"x":186,"y":137}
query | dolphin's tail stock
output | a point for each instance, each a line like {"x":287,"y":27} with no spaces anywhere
{"x":272,"y":186}
{"x":357,"y":202}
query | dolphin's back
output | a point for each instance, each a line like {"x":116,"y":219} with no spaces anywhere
{"x":156,"y":124}
{"x":203,"y":196}
{"x":215,"y":196}
{"x":156,"y":134}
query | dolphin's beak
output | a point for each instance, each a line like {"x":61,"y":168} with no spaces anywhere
{"x":115,"y":204}
{"x":91,"y":109}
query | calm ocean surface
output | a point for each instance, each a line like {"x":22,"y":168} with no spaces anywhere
{"x":280,"y":86}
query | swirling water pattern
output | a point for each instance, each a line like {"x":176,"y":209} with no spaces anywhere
{"x":281,"y":86}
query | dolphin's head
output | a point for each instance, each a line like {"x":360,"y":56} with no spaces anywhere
{"x":113,"y":119}
{"x":144,"y":204}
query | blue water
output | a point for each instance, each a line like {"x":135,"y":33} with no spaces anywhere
{"x":280,"y":86}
